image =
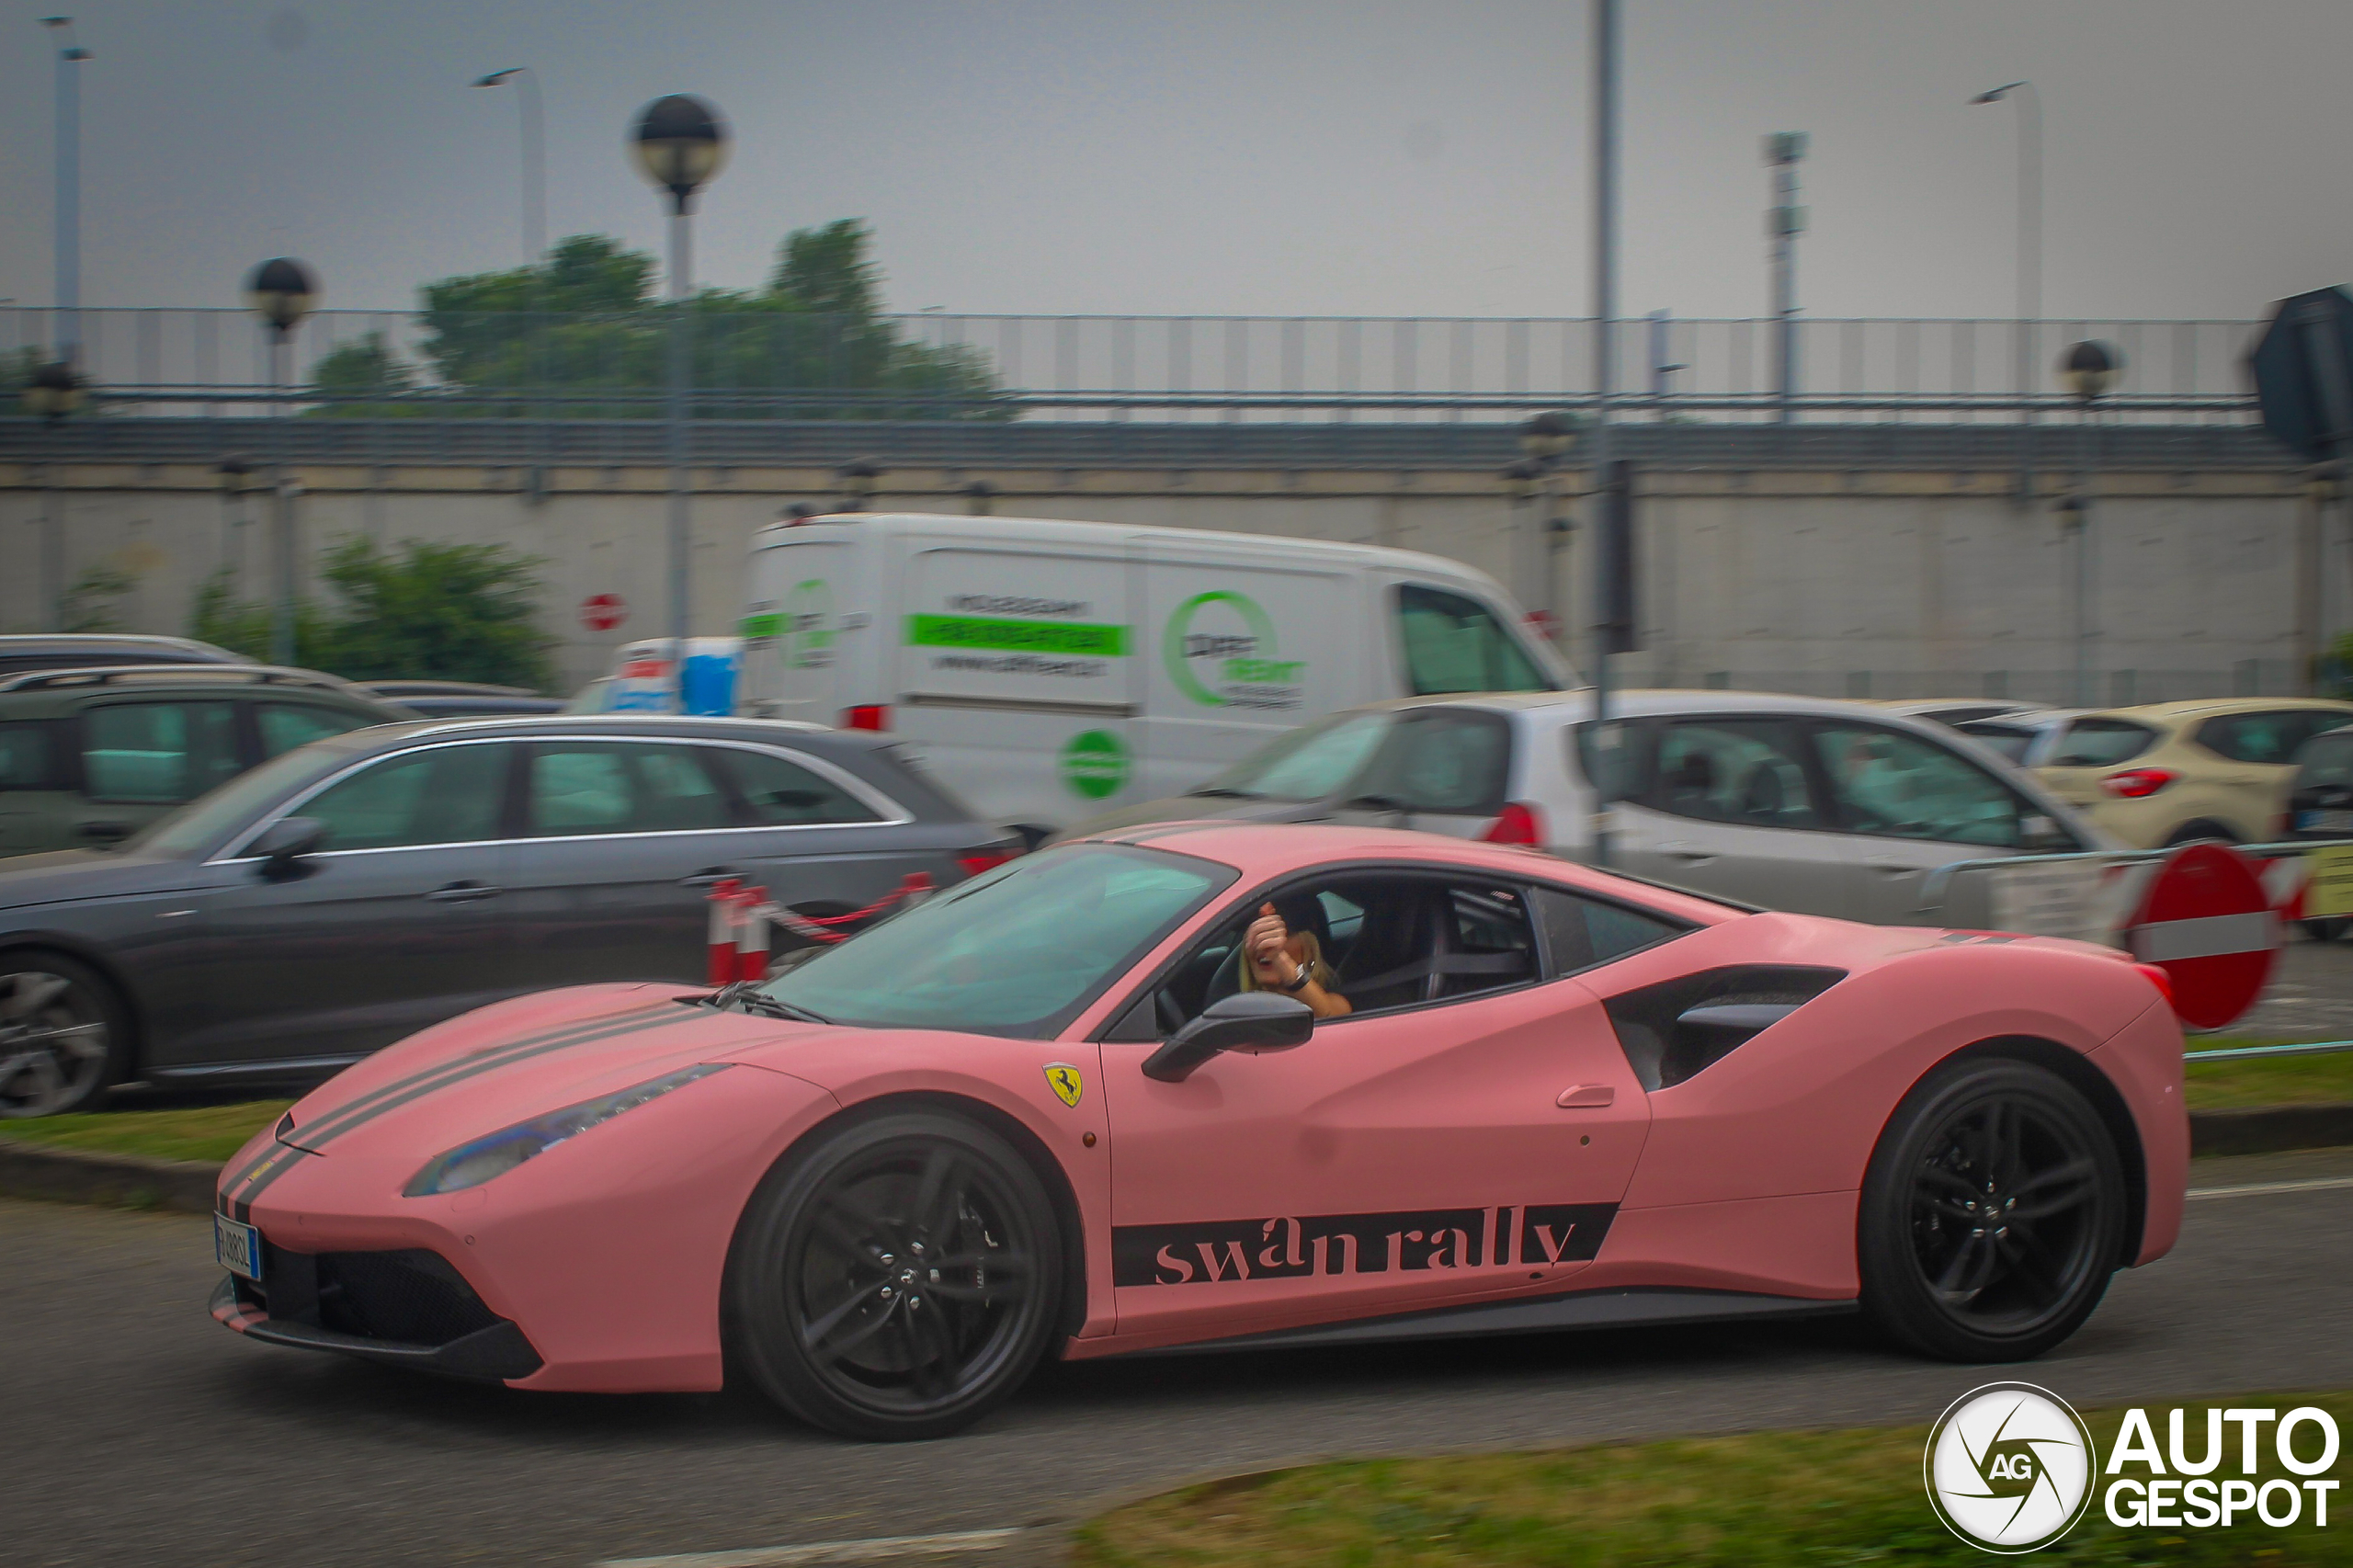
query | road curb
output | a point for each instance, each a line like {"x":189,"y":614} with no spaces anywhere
{"x":132,"y":1181}
{"x":122,"y":1181}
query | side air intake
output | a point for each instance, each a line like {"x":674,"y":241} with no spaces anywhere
{"x":1678,"y":1029}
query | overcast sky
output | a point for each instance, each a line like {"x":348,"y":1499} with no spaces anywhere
{"x":1274,"y":156}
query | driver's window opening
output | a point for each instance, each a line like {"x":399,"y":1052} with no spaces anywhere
{"x":1376,"y":942}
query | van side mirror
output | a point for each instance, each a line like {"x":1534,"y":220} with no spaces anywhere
{"x":1247,"y":1021}
{"x":285,"y":841}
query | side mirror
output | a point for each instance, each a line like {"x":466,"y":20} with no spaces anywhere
{"x":286,"y":841}
{"x":1247,"y":1021}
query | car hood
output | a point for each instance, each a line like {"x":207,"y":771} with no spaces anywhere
{"x":1196,"y":808}
{"x":64,"y":874}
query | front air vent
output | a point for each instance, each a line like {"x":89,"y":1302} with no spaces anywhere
{"x":1679,"y":1028}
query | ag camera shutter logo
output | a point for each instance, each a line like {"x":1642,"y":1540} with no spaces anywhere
{"x":2009,"y":1468}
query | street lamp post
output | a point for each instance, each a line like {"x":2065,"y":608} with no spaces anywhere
{"x":68,"y":236}
{"x":53,"y":393}
{"x":1544,"y":440}
{"x":2087,"y":369}
{"x":1606,"y":40}
{"x":1784,"y":222}
{"x":282,"y":292}
{"x":2029,"y":302}
{"x":680,"y":145}
{"x":535,"y":175}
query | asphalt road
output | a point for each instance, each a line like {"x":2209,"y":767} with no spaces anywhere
{"x":140,"y":1432}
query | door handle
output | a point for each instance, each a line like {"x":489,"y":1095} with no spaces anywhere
{"x":1889,"y":866}
{"x":1689,"y":853}
{"x":463,"y":892}
{"x":1587,"y":1096}
{"x":711,"y":876}
{"x":105,"y":830}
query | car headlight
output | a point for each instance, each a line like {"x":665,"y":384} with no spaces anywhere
{"x":486,"y":1158}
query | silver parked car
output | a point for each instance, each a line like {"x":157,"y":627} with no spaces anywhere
{"x":1825,"y":808}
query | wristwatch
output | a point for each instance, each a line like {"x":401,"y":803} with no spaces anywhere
{"x":1299,"y":982}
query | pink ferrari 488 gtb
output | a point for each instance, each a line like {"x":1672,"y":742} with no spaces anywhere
{"x":1209,"y":1084}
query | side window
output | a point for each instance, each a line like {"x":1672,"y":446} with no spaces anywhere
{"x":158,"y":753}
{"x":28,"y":755}
{"x":1580,"y":932}
{"x":285,"y":725}
{"x":1899,"y":786}
{"x":1452,"y":761}
{"x":595,"y":786}
{"x":2012,"y":741}
{"x":2269,"y":738}
{"x":2100,"y":743}
{"x":446,"y":795}
{"x":1454,"y":643}
{"x":785,"y":794}
{"x":1734,"y":770}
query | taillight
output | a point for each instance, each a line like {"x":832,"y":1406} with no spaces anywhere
{"x":987,"y":859}
{"x":1518,"y":822}
{"x":870,"y":716}
{"x":2159,"y":977}
{"x":2137,"y":783}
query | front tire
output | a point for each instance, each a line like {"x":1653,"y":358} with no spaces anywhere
{"x":1992,"y":1216}
{"x":897,"y":1278}
{"x":64,"y":1035}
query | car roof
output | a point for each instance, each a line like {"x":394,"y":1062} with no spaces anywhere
{"x":2177,"y":713}
{"x":41,"y":645}
{"x":37,"y":694}
{"x":1262,"y":850}
{"x":671,"y":726}
{"x":1643,"y":702}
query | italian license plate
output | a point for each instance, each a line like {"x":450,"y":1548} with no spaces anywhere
{"x":2327,"y":821}
{"x":237,"y":1246}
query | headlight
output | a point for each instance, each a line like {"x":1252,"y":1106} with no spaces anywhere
{"x":471,"y":1164}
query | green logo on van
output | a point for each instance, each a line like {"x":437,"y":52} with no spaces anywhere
{"x":1220,"y":651}
{"x":805,"y":629}
{"x":1095,"y":764}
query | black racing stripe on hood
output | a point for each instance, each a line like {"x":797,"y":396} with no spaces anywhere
{"x":327,"y":1127}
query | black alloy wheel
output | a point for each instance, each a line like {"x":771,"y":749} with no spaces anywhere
{"x":63,"y":1036}
{"x":1992,"y":1213}
{"x":897,"y":1280}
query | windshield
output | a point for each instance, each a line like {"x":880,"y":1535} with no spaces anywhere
{"x":207,"y":820}
{"x":1019,"y":951}
{"x":2008,"y":739}
{"x":2327,"y":761}
{"x":1305,"y":764}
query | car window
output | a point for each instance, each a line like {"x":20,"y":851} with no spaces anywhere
{"x":1734,"y":770}
{"x":2011,"y":740}
{"x":2270,"y":737}
{"x":781,"y":793}
{"x":2325,"y":760}
{"x":1446,"y":760}
{"x":445,"y":795}
{"x":158,"y":753}
{"x":1454,"y":643}
{"x":285,"y":725}
{"x":1305,"y":764}
{"x":1580,"y":932}
{"x":593,"y":787}
{"x":1017,"y":951}
{"x":28,"y":755}
{"x":2100,"y":743}
{"x":1900,"y":786}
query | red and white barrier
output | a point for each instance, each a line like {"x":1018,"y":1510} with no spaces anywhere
{"x":743,"y":921}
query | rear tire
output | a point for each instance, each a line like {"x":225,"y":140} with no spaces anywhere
{"x":2327,"y":929}
{"x":1991,"y":1215}
{"x":895,"y":1278}
{"x":64,"y":1035}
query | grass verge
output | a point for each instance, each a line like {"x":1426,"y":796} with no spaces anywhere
{"x":211,"y":1132}
{"x":2265,"y":1080}
{"x":1761,"y":1500}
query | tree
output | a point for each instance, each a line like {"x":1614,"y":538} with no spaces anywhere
{"x":421,"y":611}
{"x":90,"y":603}
{"x":356,"y":374}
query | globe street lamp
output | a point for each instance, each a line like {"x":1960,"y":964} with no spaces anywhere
{"x":857,"y":478}
{"x":679,"y":143}
{"x":282,"y":292}
{"x":2087,"y":369}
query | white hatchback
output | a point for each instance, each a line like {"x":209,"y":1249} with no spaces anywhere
{"x":1821,"y":807}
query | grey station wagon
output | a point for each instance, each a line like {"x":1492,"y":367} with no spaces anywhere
{"x":362,"y":887}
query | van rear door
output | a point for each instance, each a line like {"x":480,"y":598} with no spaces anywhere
{"x":794,"y":637}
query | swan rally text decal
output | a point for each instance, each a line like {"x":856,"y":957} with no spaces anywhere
{"x":1532,"y":1235}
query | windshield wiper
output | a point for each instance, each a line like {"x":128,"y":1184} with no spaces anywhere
{"x":1221,"y":792}
{"x":1377,"y":804}
{"x":745,"y":996}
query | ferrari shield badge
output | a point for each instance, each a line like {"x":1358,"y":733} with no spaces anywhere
{"x":1063,"y":1079}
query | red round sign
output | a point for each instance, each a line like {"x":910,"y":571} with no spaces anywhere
{"x":2207,"y":923}
{"x":602,"y":612}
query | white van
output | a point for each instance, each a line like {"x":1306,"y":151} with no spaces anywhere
{"x":1049,"y":670}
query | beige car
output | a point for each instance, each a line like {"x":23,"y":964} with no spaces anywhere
{"x":2172,"y":772}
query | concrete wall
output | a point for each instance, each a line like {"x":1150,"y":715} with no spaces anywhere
{"x":1916,"y":582}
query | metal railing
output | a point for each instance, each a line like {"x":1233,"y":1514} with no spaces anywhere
{"x":779,"y":365}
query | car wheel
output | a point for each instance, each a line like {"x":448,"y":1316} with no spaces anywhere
{"x":64,"y":1036}
{"x":2327,"y":929}
{"x":897,"y":1280}
{"x":2200,"y":832}
{"x":1992,"y":1214}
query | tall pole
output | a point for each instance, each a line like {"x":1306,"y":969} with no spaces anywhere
{"x":535,"y":167}
{"x":281,"y":617}
{"x":2084,"y":633}
{"x":1784,"y":222}
{"x":679,"y":543}
{"x":1606,"y":42}
{"x":68,"y":224}
{"x":2029,"y":262}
